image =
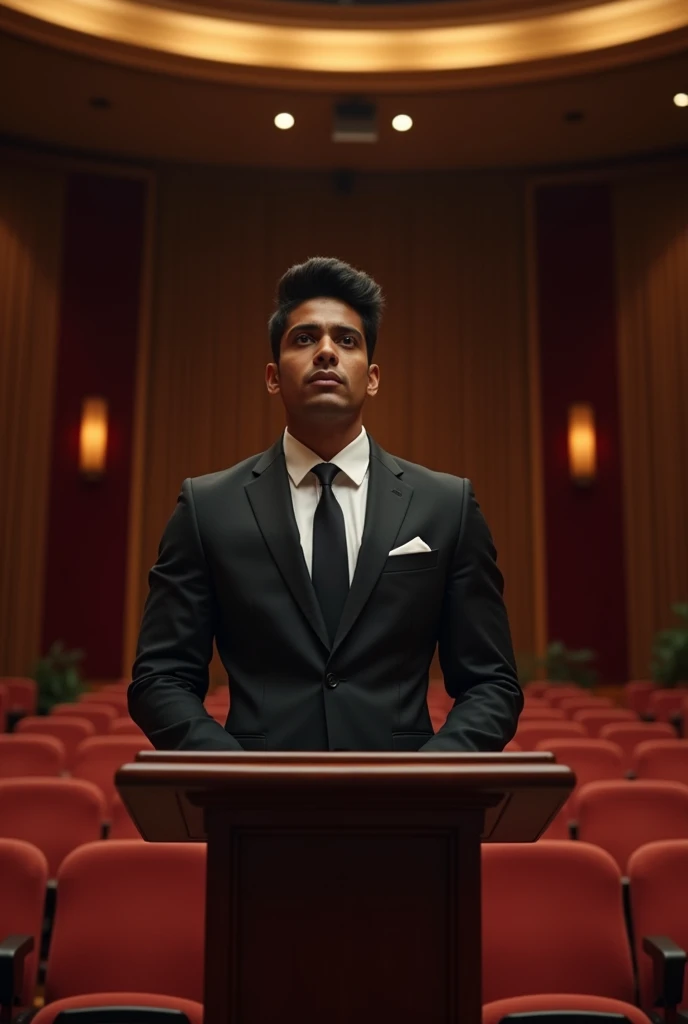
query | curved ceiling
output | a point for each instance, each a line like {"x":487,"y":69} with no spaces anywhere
{"x":55,"y":98}
{"x":408,"y":47}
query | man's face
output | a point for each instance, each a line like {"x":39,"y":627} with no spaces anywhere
{"x":323,"y":370}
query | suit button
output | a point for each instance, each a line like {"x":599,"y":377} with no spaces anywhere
{"x":331,"y":681}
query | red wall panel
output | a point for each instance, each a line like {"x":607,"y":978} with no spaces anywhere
{"x":578,"y":362}
{"x":86,"y":560}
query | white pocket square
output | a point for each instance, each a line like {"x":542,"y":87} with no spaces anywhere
{"x":411,"y":547}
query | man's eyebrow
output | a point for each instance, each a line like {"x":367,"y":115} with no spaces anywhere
{"x":318,"y":327}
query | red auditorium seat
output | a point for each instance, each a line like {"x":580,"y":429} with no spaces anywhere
{"x":23,"y":880}
{"x":56,"y":815}
{"x":513,"y":746}
{"x":536,"y":689}
{"x":629,"y":734}
{"x":662,"y":759}
{"x":99,"y":715}
{"x":192,"y":1010}
{"x":530,"y":734}
{"x":70,"y":731}
{"x":591,"y":759}
{"x":553,"y":921}
{"x":98,"y":758}
{"x":658,"y":875}
{"x":4,"y":707}
{"x":663,"y":704}
{"x":571,"y":704}
{"x":129,"y":921}
{"x":622,"y":816}
{"x":23,"y":755}
{"x":125,"y":727}
{"x":636,"y":695}
{"x":115,"y":700}
{"x":494,"y":1013}
{"x":539,"y":714}
{"x":23,"y":694}
{"x":121,"y":825}
{"x":594,"y":720}
{"x":556,"y":694}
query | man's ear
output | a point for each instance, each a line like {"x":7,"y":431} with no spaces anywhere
{"x":272,"y":378}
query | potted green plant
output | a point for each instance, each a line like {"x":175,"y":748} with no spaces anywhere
{"x":559,"y":664}
{"x":58,"y":677}
{"x":670,"y":651}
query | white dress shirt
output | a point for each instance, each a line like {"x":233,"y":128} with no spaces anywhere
{"x":350,"y":488}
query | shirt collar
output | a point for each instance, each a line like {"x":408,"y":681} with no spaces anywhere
{"x":352,"y":460}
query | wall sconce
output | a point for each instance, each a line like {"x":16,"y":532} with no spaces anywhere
{"x":93,"y":437}
{"x":582,"y":444}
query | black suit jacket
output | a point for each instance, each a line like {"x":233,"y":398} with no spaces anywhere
{"x":231,"y":567}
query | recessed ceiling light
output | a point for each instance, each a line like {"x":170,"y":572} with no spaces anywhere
{"x":681,"y":99}
{"x":402,"y":123}
{"x":284,"y":121}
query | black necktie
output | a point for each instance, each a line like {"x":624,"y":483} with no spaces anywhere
{"x":330,"y":568}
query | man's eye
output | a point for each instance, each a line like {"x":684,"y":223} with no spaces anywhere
{"x":349,"y":337}
{"x":300,"y":337}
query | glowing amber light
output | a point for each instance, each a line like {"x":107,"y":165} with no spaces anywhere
{"x":93,"y":437}
{"x":582,"y":443}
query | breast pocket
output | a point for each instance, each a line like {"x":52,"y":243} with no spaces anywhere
{"x":409,"y":563}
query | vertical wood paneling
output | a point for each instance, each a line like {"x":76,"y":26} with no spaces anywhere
{"x":449,"y":252}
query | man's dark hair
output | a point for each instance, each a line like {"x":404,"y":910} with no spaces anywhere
{"x":321,"y":277}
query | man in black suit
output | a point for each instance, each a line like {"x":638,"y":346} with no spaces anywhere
{"x":326,"y":570}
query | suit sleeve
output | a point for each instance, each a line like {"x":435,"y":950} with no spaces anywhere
{"x":170,"y":675}
{"x":475,"y":650}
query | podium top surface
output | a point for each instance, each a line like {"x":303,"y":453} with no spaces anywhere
{"x":169,"y":793}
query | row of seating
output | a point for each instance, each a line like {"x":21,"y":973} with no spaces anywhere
{"x":60,"y":814}
{"x":553,"y":924}
{"x":627,"y":734}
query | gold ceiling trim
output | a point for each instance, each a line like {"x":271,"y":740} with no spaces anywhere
{"x":210,"y":44}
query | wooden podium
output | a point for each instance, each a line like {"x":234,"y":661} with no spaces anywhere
{"x":343,"y":888}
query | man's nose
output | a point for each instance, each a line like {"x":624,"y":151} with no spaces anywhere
{"x":327,"y":351}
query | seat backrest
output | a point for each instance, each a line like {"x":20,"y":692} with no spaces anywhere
{"x":100,"y":715}
{"x":71,"y":731}
{"x":636,"y":694}
{"x":540,"y":714}
{"x":23,"y":755}
{"x":590,"y":759}
{"x":126,"y":726}
{"x":23,"y":693}
{"x":662,"y":759}
{"x":629,"y":734}
{"x":536,"y":689}
{"x":130,"y":917}
{"x":553,"y":921}
{"x":555,"y":694}
{"x":658,"y":874}
{"x":98,"y":758}
{"x":571,"y":704}
{"x":56,"y":815}
{"x":665,"y":703}
{"x":593,"y":719}
{"x":118,"y":701}
{"x":121,"y":825}
{"x":623,"y":816}
{"x":23,"y":881}
{"x":530,"y":734}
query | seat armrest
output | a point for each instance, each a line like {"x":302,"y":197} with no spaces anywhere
{"x":669,"y":962}
{"x":13,"y":952}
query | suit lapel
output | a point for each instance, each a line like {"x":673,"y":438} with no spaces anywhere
{"x":272,"y":505}
{"x":386,"y":506}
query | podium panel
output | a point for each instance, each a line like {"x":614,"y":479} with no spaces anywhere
{"x":343,"y":887}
